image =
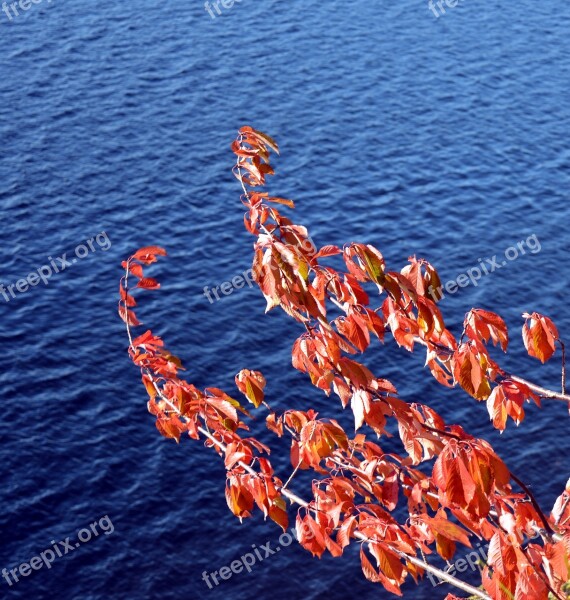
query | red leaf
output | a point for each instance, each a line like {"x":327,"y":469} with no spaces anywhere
{"x":251,"y":384}
{"x":278,"y":513}
{"x":284,"y":201}
{"x":147,"y":252}
{"x":508,"y":399}
{"x":171,"y":427}
{"x":129,"y":317}
{"x":147,"y":339}
{"x":496,"y":405}
{"x":448,"y":529}
{"x":354,"y":328}
{"x":263,"y":137}
{"x":367,"y":568}
{"x":360,"y":404}
{"x":328,"y":251}
{"x":128,"y":300}
{"x":136,"y":270}
{"x":539,"y":336}
{"x":310,"y":535}
{"x":148,"y":283}
{"x":486,"y":325}
{"x":345,"y":531}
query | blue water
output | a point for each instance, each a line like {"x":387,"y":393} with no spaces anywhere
{"x":446,"y":138}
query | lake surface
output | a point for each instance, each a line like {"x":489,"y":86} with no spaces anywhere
{"x":441,"y":137}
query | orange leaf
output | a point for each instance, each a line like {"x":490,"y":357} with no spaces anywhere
{"x":486,"y":325}
{"x":251,"y":384}
{"x":148,"y":283}
{"x":539,"y":336}
{"x":149,"y":250}
{"x":284,"y":201}
{"x":129,"y":317}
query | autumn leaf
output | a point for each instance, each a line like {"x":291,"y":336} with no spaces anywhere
{"x":251,"y":384}
{"x":360,"y":404}
{"x":354,"y":328}
{"x":507,"y":399}
{"x":148,"y":254}
{"x":129,"y":317}
{"x":136,"y":270}
{"x":328,"y":251}
{"x":284,"y":201}
{"x":470,"y":371}
{"x":148,"y":283}
{"x":539,"y":336}
{"x":310,"y":535}
{"x":263,"y":137}
{"x":486,"y":325}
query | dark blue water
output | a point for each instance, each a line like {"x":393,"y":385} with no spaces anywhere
{"x":446,"y":138}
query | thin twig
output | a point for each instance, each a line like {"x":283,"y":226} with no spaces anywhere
{"x":542,"y":392}
{"x":291,"y":476}
{"x":527,"y":491}
{"x":563,"y":348}
{"x":445,"y":576}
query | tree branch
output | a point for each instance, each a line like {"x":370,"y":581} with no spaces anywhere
{"x":442,"y":575}
{"x":563,"y":348}
{"x":542,"y":392}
